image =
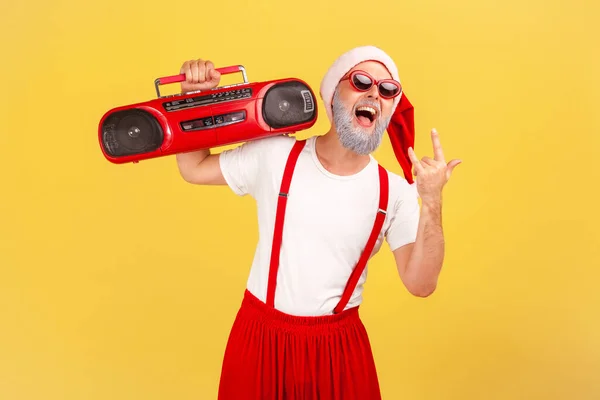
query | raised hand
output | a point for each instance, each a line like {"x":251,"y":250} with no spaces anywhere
{"x":432,"y":174}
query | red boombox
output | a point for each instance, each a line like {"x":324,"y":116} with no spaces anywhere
{"x":201,"y":120}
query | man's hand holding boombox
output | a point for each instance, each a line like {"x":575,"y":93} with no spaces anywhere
{"x":200,"y":75}
{"x":200,"y":167}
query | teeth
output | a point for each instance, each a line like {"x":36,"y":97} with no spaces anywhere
{"x":368,"y":109}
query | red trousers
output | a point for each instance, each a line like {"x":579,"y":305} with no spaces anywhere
{"x":273,"y":355}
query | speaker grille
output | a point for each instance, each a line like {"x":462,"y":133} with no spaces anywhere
{"x":287,"y":104}
{"x":130,"y":132}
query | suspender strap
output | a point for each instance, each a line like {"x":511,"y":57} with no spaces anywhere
{"x":279,"y":218}
{"x":362,"y":262}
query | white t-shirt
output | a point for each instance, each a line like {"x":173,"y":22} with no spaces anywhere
{"x":327,"y":223}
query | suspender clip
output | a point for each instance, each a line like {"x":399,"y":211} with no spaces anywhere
{"x":284,"y":194}
{"x":382,"y":211}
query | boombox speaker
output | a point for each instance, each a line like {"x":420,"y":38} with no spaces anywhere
{"x":200,"y":120}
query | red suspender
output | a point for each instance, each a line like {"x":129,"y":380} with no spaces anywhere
{"x":279,"y":217}
{"x":362,"y":262}
{"x":278,"y":231}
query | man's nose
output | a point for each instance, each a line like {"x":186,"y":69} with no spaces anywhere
{"x":373,"y":92}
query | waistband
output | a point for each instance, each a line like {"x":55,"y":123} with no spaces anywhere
{"x":255,"y":308}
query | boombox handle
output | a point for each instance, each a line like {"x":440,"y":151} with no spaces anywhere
{"x":181,"y":77}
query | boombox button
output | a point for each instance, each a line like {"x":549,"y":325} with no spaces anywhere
{"x":219,"y":120}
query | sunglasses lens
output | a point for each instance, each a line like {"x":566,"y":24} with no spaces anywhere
{"x":362,"y":82}
{"x":388,"y":89}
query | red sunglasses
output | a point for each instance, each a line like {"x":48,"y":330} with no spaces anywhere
{"x":362,"y":81}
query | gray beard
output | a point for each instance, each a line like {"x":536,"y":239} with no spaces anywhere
{"x":353,"y":137}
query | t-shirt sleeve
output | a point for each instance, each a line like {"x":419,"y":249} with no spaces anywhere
{"x":404,"y":221}
{"x":241,"y":166}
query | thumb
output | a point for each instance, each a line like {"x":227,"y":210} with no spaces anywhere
{"x":215,"y":75}
{"x":452,"y":164}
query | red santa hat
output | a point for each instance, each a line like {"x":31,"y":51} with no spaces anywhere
{"x":401,"y":128}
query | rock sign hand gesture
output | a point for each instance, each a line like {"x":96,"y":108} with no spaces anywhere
{"x":432,"y":174}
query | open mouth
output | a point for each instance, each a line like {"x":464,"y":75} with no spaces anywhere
{"x":365,"y":115}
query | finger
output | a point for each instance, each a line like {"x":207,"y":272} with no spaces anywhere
{"x":201,"y":71}
{"x":183,"y":67}
{"x":210,"y":67}
{"x":415,"y":161}
{"x":187,"y":71}
{"x":215,"y":75}
{"x":438,"y":154}
{"x":412,"y":156}
{"x":194,"y":68}
{"x":428,"y":161}
{"x":452,"y":164}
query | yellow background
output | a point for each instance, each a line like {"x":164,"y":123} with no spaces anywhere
{"x":121,"y":282}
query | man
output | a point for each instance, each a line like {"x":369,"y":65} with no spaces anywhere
{"x":325,"y":206}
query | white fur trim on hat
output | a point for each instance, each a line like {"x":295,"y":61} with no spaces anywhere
{"x":345,"y":63}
